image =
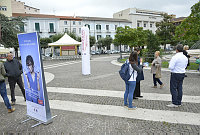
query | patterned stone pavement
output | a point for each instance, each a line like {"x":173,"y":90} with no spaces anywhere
{"x":104,"y":77}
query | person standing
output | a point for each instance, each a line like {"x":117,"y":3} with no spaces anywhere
{"x":140,"y":76}
{"x":3,"y":90}
{"x":185,"y":48}
{"x":14,"y":70}
{"x":131,"y":83}
{"x":156,"y":70}
{"x":177,"y":65}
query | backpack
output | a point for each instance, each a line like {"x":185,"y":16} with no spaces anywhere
{"x":124,"y":72}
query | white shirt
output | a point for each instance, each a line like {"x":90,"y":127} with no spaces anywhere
{"x":134,"y":75}
{"x":178,"y":63}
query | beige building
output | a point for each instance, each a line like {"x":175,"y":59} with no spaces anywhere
{"x":140,"y":18}
{"x":5,"y":7}
{"x":20,"y":7}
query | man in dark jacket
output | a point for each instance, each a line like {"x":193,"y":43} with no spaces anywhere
{"x":14,"y":70}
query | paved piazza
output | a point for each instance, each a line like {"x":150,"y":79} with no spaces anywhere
{"x":93,"y":104}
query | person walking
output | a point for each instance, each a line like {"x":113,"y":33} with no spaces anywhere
{"x":140,"y":76}
{"x":177,"y":65}
{"x":134,"y":69}
{"x":3,"y":90}
{"x":14,"y":70}
{"x":156,"y":70}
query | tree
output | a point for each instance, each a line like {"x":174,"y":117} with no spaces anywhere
{"x":10,"y":27}
{"x":122,"y":37}
{"x":56,"y":37}
{"x":189,"y":30}
{"x":165,"y":30}
{"x":100,"y":43}
{"x":44,"y":42}
{"x":152,"y":42}
{"x":92,"y":40}
{"x":152,"y":45}
{"x":107,"y":42}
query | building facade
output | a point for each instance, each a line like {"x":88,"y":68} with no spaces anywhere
{"x":20,"y":7}
{"x":104,"y":27}
{"x":141,"y":18}
{"x":5,"y":8}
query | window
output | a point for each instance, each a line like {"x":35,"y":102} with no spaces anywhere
{"x":74,"y":23}
{"x":98,"y":37}
{"x":145,"y":25}
{"x":87,"y":25}
{"x":3,"y":8}
{"x":107,"y":35}
{"x":98,"y":27}
{"x":107,"y":27}
{"x":51,"y":27}
{"x":115,"y":27}
{"x":138,"y":24}
{"x":151,"y":25}
{"x":21,"y":28}
{"x":74,"y":30}
{"x":79,"y":23}
{"x":65,"y":22}
{"x":79,"y":30}
{"x":66,"y":29}
{"x":37,"y":27}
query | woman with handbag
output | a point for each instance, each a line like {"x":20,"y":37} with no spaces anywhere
{"x":156,"y":70}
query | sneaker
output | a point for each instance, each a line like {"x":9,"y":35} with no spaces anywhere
{"x":154,"y":87}
{"x":11,"y":110}
{"x":172,"y":105}
{"x":13,"y":103}
{"x":179,"y":105}
{"x":135,"y":98}
{"x":126,"y":106}
{"x":140,"y":96}
{"x":132,"y":108}
{"x":161,"y":86}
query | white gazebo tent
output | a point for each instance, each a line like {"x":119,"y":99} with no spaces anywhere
{"x":68,"y":46}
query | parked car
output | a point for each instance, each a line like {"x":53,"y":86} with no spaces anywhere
{"x":114,"y":51}
{"x":107,"y":51}
{"x":93,"y":52}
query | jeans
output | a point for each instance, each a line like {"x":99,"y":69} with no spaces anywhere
{"x":4,"y":94}
{"x":155,"y":80}
{"x":130,"y":88}
{"x":12,"y":83}
{"x":176,"y":82}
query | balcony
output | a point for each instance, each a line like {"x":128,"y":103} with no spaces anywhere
{"x":98,"y":31}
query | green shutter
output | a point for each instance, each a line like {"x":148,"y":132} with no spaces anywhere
{"x":37,"y":27}
{"x":51,"y":27}
{"x":22,"y":28}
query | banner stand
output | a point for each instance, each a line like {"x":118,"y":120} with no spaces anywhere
{"x":37,"y":102}
{"x":39,"y":122}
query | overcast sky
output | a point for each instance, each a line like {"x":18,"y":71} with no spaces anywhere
{"x":106,"y":8}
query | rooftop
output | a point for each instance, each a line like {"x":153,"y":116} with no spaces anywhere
{"x":104,"y":19}
{"x":46,"y":16}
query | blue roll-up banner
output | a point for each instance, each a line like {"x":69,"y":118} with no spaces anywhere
{"x":34,"y":80}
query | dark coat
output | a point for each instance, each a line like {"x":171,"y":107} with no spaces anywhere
{"x":13,"y":68}
{"x":188,"y":56}
{"x":140,"y":75}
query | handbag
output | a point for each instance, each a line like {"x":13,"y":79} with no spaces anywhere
{"x":158,"y":72}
